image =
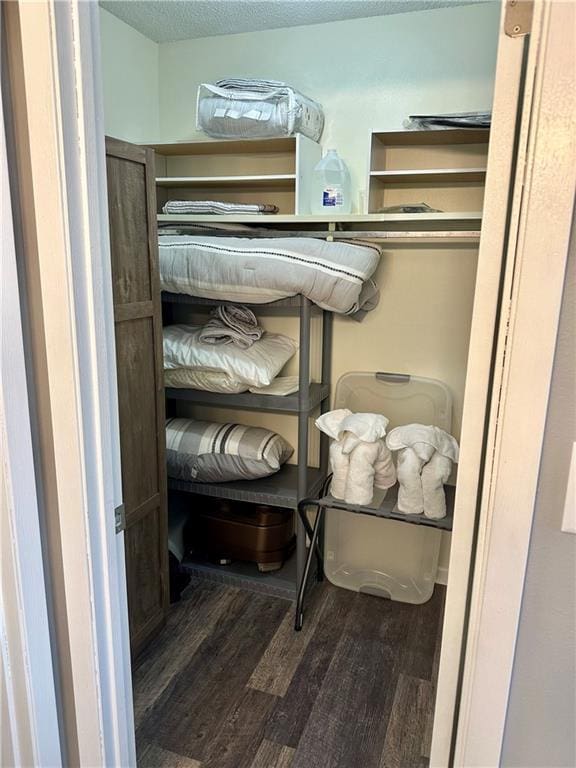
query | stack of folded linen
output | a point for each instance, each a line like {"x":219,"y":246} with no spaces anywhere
{"x":216,"y":207}
{"x":453,"y":120}
{"x":232,"y":324}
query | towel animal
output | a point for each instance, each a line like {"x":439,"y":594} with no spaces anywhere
{"x":359,"y":458}
{"x":425,"y":456}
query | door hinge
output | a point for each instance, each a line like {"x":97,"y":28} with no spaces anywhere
{"x":120,"y":518}
{"x":518,"y":17}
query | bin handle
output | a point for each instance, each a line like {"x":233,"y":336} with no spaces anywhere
{"x":393,"y":378}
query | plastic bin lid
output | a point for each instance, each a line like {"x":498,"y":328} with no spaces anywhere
{"x":402,"y":398}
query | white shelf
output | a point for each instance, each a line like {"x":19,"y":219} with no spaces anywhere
{"x":264,"y":180}
{"x":431,"y":218}
{"x":429,"y":175}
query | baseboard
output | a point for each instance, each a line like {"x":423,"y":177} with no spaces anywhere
{"x":442,"y":575}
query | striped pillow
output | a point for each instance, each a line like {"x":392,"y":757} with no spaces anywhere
{"x":209,"y":452}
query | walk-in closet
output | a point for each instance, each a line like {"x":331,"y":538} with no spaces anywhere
{"x":295,"y":201}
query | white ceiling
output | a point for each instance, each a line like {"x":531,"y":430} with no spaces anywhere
{"x":165,"y":21}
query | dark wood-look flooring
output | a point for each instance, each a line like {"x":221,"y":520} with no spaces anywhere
{"x":229,"y":684}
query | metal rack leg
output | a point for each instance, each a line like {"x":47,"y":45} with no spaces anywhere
{"x":304,"y":504}
{"x":303,"y":417}
{"x":302,"y":587}
{"x":327,"y":323}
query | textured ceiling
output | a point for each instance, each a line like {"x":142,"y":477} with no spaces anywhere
{"x":168,"y":20}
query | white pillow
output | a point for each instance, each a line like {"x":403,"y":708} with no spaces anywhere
{"x":256,"y":366}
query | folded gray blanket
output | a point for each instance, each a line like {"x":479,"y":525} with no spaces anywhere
{"x":216,"y":207}
{"x":232,"y":324}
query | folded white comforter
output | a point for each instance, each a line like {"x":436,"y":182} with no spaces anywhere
{"x":334,"y":275}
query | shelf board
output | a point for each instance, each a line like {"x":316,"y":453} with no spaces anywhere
{"x":278,"y":490}
{"x":281,"y":583}
{"x":262,"y":180}
{"x":429,"y":175}
{"x":251,"y":401}
{"x":360,"y":218}
{"x":427,"y":137}
{"x":387,"y":508}
{"x":225,"y":147}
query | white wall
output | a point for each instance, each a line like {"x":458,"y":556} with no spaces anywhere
{"x":130,"y":70}
{"x":542,"y":707}
{"x":368,"y":74}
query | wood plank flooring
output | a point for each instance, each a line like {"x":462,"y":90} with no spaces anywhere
{"x":229,"y":684}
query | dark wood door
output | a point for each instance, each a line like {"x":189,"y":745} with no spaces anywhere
{"x":138,"y":326}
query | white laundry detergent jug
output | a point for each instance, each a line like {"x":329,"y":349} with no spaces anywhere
{"x":331,"y":186}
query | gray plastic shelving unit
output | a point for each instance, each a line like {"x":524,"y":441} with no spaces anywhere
{"x":292,"y":483}
{"x":246,"y":575}
{"x":277,"y":490}
{"x":293,"y":403}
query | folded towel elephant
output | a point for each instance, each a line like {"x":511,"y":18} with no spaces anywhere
{"x":425,"y":456}
{"x":359,"y":458}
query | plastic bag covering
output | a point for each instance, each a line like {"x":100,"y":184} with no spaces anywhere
{"x":250,"y":109}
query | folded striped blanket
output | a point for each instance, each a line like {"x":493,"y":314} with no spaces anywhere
{"x":216,"y":207}
{"x":232,"y":324}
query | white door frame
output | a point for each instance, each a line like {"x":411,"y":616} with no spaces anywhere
{"x":67,"y":194}
{"x":533,"y":230}
{"x":507,"y":131}
{"x":29,"y":731}
{"x":537,"y":254}
{"x":54,"y":65}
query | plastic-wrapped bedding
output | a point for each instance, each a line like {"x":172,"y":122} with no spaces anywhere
{"x":256,"y":109}
{"x":334,"y":275}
